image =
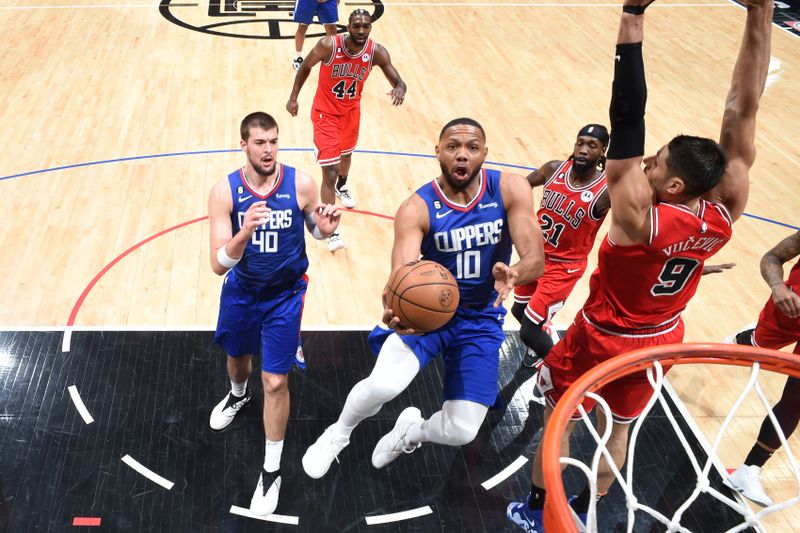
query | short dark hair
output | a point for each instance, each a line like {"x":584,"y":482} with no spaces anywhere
{"x":462,"y":120}
{"x":359,"y":13}
{"x":259,"y":119}
{"x":699,"y":161}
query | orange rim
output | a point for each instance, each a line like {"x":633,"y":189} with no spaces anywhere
{"x":557,"y":515}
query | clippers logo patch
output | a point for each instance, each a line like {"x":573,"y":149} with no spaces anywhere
{"x":244,"y":19}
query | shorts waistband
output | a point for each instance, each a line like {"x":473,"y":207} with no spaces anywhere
{"x":650,"y":331}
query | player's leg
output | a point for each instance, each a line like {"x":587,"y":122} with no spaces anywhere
{"x":303,"y":15}
{"x":328,"y":154}
{"x":394,"y":370}
{"x":328,"y":15}
{"x":456,"y":424}
{"x":238,"y":334}
{"x":747,"y":478}
{"x":299,"y":39}
{"x":350,"y":128}
{"x":528,"y":514}
{"x":280,"y":332}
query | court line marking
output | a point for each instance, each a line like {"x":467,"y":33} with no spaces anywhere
{"x":66,"y":340}
{"x":278,"y":518}
{"x":505,"y":473}
{"x":396,"y":517}
{"x":146,"y":472}
{"x":79,"y":405}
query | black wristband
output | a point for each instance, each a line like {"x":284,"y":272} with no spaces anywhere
{"x":634,"y":10}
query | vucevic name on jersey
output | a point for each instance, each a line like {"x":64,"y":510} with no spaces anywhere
{"x":468,"y":239}
{"x":275,"y":255}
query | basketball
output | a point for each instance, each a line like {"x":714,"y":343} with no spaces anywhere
{"x":423,"y":295}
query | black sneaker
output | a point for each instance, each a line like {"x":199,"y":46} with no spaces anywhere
{"x":225,"y":411}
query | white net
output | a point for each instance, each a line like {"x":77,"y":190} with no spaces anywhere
{"x":702,"y":467}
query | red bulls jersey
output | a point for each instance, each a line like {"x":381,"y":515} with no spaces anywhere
{"x":342,"y":77}
{"x":793,"y":281}
{"x":567,"y":217}
{"x":648,"y":285}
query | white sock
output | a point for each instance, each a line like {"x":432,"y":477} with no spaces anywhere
{"x":272,"y":455}
{"x":298,"y":53}
{"x":238,"y":389}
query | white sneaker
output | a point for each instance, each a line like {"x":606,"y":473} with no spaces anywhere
{"x":226,"y":410}
{"x":335,"y":242}
{"x":319,"y":456}
{"x":344,"y":195}
{"x":394,"y":443}
{"x":265,"y":498}
{"x":297,"y":62}
{"x":747,"y":482}
{"x":731,"y":339}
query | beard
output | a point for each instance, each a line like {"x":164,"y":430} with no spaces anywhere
{"x":584,"y":167}
{"x":456,"y":185}
{"x":261,"y":170}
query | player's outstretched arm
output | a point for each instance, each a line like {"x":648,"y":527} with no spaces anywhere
{"x":321,"y":52}
{"x":540,"y":175}
{"x":410,"y":224}
{"x":737,"y":135}
{"x":629,"y":191}
{"x":524,"y":230}
{"x":785,"y":299}
{"x":383,"y":60}
{"x":321,"y":219}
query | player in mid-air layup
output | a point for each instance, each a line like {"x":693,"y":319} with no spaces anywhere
{"x":666,"y":220}
{"x":257,"y":216}
{"x":466,"y":220}
{"x":336,"y":112}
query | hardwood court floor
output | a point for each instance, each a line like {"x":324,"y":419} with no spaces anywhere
{"x":150,"y":395}
{"x":100,"y":81}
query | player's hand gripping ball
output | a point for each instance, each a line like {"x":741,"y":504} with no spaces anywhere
{"x":423,"y":295}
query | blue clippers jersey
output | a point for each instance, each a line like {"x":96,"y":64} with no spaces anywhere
{"x":468,"y":239}
{"x":276,"y":253}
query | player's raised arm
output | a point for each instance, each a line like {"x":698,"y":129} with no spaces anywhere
{"x":321,"y":52}
{"x":629,"y":191}
{"x":384,"y":61}
{"x":737,"y":135}
{"x":523,"y":228}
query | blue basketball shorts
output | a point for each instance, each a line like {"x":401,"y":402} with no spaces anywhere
{"x":469,"y":345}
{"x":327,"y":12}
{"x":267,"y":321}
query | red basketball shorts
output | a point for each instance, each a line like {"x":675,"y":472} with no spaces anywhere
{"x":584,"y":347}
{"x":546,"y":296}
{"x":334,"y":135}
{"x":776,"y":330}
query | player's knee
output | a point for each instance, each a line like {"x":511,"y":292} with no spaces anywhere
{"x":518,"y":311}
{"x":274,"y":383}
{"x":458,"y":431}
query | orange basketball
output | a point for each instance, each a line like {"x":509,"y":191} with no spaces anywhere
{"x":423,"y":295}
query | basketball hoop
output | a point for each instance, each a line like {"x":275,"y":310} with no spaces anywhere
{"x":558,"y":516}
